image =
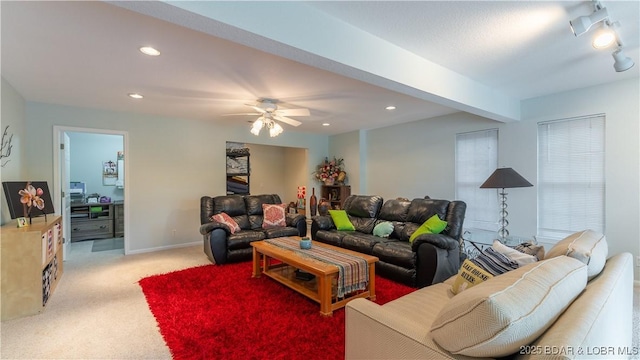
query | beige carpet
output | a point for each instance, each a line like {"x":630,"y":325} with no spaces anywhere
{"x":98,"y":310}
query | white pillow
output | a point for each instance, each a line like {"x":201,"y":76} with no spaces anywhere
{"x":513,"y":254}
{"x":588,"y":246}
{"x":497,"y":317}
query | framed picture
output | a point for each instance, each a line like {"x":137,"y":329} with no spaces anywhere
{"x":22,"y":222}
{"x":38,"y":196}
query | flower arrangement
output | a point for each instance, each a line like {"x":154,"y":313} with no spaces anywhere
{"x":31,"y":196}
{"x":328,"y":171}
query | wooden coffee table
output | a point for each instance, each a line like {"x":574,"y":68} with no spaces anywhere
{"x":322,"y":289}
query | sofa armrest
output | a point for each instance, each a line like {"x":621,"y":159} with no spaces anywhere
{"x":293,"y":219}
{"x":373,"y":332}
{"x":438,"y":240}
{"x":323,"y":222}
{"x":210,"y":226}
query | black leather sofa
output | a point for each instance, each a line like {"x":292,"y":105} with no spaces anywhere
{"x":221,"y":246}
{"x":432,"y":258}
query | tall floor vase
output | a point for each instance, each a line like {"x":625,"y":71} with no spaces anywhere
{"x":313,"y":202}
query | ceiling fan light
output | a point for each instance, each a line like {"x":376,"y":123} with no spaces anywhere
{"x":275,"y":130}
{"x":622,"y":62}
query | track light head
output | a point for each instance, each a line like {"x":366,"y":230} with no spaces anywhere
{"x":604,"y":37}
{"x":622,"y":62}
{"x":582,"y":24}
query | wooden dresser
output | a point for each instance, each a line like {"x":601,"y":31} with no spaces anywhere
{"x":91,"y":221}
{"x":31,"y":265}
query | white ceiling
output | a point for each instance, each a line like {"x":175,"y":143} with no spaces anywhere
{"x":343,"y":60}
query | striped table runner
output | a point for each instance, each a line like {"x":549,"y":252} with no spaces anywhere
{"x":353,"y":271}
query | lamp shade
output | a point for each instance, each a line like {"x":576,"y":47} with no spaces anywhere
{"x":504,"y":178}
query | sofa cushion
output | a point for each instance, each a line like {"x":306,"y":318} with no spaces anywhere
{"x":469,"y":275}
{"x":341,"y":220}
{"x":383,"y":229}
{"x":395,"y":252}
{"x":331,"y":237}
{"x":254,"y":203}
{"x":519,"y":257}
{"x":362,"y":243}
{"x":280,"y":232}
{"x":242,"y":239}
{"x":422,"y":209}
{"x":498,"y":316}
{"x":432,"y":225}
{"x":273,"y":215}
{"x":588,"y":246}
{"x":363,"y":211}
{"x":223,"y":218}
{"x":395,"y":210}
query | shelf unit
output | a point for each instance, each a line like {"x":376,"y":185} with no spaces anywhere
{"x":32,"y":265}
{"x":335,"y":194}
{"x":118,"y":219}
{"x":91,"y":221}
{"x":238,"y":171}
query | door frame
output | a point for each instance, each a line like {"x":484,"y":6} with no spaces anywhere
{"x":57,"y":186}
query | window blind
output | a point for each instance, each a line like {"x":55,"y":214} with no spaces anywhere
{"x":571,"y":181}
{"x":476,"y":160}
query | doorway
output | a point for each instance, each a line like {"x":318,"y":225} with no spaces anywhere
{"x":90,"y":178}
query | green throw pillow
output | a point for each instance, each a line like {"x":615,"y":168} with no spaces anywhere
{"x":433,"y":225}
{"x":384,"y":229}
{"x":341,"y":220}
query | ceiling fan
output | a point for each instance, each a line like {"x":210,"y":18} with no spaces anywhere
{"x":268,"y":111}
{"x":268,"y":108}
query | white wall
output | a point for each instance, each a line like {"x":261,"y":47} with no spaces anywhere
{"x":418,"y":158}
{"x":88,"y":152}
{"x":172,"y":163}
{"x":347,"y":146}
{"x":277,"y":170}
{"x":13,"y":115}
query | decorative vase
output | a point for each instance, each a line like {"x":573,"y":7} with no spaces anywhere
{"x":323,"y":207}
{"x":305,"y":243}
{"x":329,"y":181}
{"x":313,"y":202}
{"x":341,"y":176}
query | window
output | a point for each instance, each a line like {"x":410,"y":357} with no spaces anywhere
{"x":476,"y":160}
{"x":571,"y":183}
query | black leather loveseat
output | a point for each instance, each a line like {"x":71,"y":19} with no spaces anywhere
{"x":430,"y":259}
{"x":221,"y":246}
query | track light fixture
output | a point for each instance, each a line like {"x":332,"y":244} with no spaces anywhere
{"x":605,"y":36}
{"x":622,"y":62}
{"x":582,"y":24}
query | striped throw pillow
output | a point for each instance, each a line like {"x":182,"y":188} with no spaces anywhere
{"x":494,"y":262}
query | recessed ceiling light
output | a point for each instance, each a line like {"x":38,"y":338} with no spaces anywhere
{"x":135,"y":95}
{"x":390,"y":107}
{"x":149,"y":51}
{"x":326,"y":124}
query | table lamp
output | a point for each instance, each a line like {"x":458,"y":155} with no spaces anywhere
{"x":504,"y":178}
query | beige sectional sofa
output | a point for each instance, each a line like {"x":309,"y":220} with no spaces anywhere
{"x":574,"y":304}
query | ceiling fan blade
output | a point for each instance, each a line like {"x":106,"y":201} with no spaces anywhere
{"x":238,"y":114}
{"x":287,"y":120}
{"x":258,"y":109}
{"x":293,"y":112}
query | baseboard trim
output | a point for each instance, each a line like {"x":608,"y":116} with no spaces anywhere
{"x":161,"y":248}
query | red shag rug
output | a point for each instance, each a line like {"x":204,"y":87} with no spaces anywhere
{"x":220,"y":312}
